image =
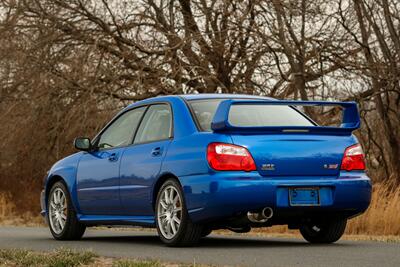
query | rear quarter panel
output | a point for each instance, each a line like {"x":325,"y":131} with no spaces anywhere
{"x":186,"y":155}
{"x":187,"y":159}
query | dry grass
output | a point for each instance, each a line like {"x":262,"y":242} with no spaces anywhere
{"x":383,"y":215}
{"x":6,"y":206}
{"x":380,"y":222}
{"x":9,"y":214}
{"x":72,"y":258}
{"x":58,"y":258}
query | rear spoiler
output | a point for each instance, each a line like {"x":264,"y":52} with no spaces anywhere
{"x":350,"y":118}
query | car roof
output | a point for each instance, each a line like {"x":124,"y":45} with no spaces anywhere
{"x":219,"y":96}
{"x":189,"y":97}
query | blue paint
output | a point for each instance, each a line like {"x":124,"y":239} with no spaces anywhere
{"x":118,"y":185}
{"x":138,"y":173}
{"x":350,"y":119}
{"x":98,"y":182}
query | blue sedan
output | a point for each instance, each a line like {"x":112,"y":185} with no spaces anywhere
{"x":191,"y":164}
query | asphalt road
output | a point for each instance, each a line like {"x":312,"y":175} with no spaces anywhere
{"x":216,"y":249}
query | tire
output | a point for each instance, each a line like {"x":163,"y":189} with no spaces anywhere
{"x":323,"y":233}
{"x":169,"y":212}
{"x":206,"y":231}
{"x":59,"y":207}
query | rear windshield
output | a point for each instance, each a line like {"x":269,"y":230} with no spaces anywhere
{"x":248,"y":115}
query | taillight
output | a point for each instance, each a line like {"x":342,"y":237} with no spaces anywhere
{"x":353,"y":158}
{"x":227,"y":157}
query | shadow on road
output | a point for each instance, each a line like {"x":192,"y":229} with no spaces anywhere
{"x":213,"y":241}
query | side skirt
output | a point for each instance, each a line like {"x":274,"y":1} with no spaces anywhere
{"x":92,"y":220}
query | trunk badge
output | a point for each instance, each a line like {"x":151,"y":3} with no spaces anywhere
{"x":268,"y":167}
{"x":331,"y":166}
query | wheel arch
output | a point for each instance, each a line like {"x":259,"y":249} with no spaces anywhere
{"x":70,"y":183}
{"x":51,"y":181}
{"x":160,"y":181}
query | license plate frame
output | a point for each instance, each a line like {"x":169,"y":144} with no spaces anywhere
{"x":304,"y":196}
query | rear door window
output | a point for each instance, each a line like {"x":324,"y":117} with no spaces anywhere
{"x":156,"y":124}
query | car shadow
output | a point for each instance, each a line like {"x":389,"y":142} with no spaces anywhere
{"x":212,"y":241}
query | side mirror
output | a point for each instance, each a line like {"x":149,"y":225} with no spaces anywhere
{"x":82,"y":143}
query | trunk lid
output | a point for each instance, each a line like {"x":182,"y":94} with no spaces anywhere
{"x":295,"y":154}
{"x":282,"y":140}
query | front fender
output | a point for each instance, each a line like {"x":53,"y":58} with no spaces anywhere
{"x":64,"y":170}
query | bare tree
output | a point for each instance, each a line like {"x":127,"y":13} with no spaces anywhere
{"x":376,"y":35}
{"x":68,"y":66}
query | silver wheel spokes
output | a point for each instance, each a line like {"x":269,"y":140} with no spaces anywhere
{"x":169,"y":212}
{"x":57,"y":211}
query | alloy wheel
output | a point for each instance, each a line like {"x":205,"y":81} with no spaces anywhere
{"x":58,"y":210}
{"x":169,"y":212}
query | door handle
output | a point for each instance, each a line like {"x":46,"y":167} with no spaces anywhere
{"x":113,"y":157}
{"x":156,"y":151}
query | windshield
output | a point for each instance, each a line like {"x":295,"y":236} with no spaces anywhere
{"x":248,"y":115}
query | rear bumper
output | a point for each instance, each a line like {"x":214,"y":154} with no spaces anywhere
{"x":229,"y":194}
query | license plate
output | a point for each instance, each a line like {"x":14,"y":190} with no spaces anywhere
{"x":304,"y":197}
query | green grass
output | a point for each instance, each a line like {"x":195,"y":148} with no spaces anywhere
{"x":131,"y":263}
{"x":71,"y":258}
{"x":58,"y":258}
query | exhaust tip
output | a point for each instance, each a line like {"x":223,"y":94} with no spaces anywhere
{"x":267,"y":213}
{"x":261,"y":217}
